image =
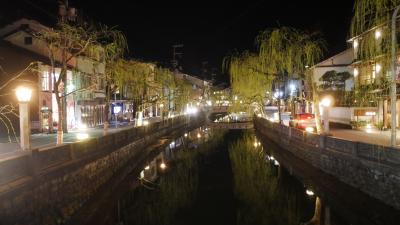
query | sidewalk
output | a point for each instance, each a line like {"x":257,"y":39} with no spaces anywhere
{"x":46,"y":140}
{"x":376,"y":137}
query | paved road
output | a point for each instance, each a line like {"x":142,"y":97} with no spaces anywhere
{"x":372,"y":137}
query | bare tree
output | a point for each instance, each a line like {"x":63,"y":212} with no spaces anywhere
{"x":65,"y":43}
{"x":8,"y":110}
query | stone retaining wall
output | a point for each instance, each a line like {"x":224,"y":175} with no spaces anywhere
{"x":372,"y":169}
{"x":47,"y":186}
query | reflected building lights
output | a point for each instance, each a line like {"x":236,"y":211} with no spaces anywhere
{"x":82,"y":136}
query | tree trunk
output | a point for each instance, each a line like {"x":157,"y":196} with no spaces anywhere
{"x":60,"y":119}
{"x":315,"y":97}
{"x":317,"y":113}
{"x":107,"y":110}
{"x":64,"y":110}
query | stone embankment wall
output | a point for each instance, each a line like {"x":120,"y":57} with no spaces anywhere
{"x":373,"y":169}
{"x":47,"y":186}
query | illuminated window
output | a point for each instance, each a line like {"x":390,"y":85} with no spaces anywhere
{"x":45,"y":81}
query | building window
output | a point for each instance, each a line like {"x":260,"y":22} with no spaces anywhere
{"x":28,"y":40}
{"x":45,"y":81}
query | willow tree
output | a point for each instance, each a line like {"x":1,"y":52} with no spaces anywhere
{"x":133,"y":81}
{"x":183,"y":94}
{"x":249,"y":82}
{"x":114,"y":47}
{"x":165,"y":83}
{"x":371,"y":39}
{"x":290,"y":51}
{"x":171,"y":90}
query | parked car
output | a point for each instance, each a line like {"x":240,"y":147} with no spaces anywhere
{"x":303,"y":121}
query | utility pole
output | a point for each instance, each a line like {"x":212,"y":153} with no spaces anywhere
{"x":175,"y":54}
{"x":393,"y":92}
{"x":66,"y":13}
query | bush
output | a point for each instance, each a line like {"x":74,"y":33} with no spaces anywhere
{"x":357,"y":124}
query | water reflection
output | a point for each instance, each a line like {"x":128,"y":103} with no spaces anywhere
{"x":170,"y":180}
{"x":264,"y":194}
{"x":184,"y":183}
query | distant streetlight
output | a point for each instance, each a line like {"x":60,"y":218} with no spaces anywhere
{"x":24,"y":95}
{"x":326,"y":103}
{"x":292,"y":87}
{"x":378,"y":34}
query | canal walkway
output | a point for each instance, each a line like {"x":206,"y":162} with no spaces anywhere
{"x":43,"y":140}
{"x":373,"y":136}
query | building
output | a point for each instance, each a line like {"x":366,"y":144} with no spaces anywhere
{"x":84,"y":88}
{"x":200,"y":88}
{"x":337,"y":64}
{"x":372,"y":76}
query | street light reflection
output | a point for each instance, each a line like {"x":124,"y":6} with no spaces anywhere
{"x":82,"y":136}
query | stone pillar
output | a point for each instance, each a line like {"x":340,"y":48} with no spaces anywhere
{"x":25,"y":126}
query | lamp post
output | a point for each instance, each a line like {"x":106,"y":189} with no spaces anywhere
{"x":115,"y":105}
{"x":278,"y":95}
{"x":292,"y":97}
{"x":24,"y":95}
{"x":326,"y":103}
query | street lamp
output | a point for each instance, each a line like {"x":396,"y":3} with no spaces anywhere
{"x":326,"y":103}
{"x":24,"y":95}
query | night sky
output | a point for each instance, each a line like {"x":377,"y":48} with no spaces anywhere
{"x":209,"y":30}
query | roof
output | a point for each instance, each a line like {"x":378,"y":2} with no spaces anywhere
{"x":7,"y":49}
{"x":340,"y":58}
{"x":192,"y":79}
{"x":17,"y":25}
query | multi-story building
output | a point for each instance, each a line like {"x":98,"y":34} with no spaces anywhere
{"x":200,"y":88}
{"x":371,"y":72}
{"x":84,"y":88}
{"x":325,"y":73}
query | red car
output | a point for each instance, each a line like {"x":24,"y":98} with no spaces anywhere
{"x":304,"y":121}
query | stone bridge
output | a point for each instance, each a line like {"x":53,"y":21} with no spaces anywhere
{"x":232,"y":126}
{"x":219,"y":109}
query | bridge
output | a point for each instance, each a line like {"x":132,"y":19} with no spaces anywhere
{"x":219,"y":109}
{"x":231,"y":125}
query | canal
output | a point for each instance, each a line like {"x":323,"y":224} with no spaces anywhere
{"x":211,"y":176}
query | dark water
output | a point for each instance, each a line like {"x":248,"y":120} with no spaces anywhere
{"x":230,"y":177}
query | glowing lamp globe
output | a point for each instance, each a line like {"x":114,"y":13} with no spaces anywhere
{"x":326,"y":102}
{"x":24,"y":94}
